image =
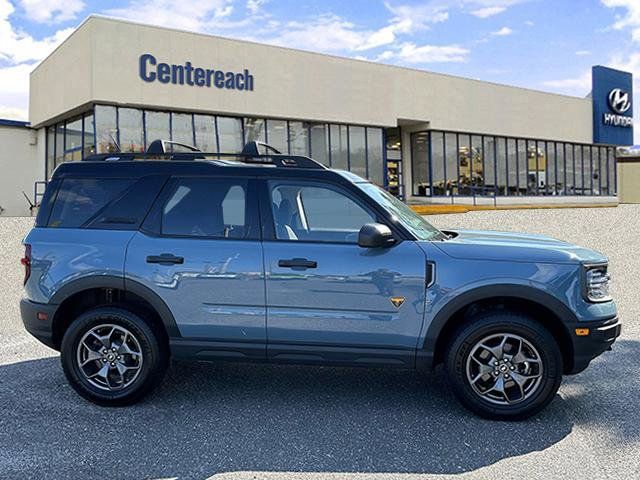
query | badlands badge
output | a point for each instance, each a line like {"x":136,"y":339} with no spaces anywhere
{"x":397,"y":301}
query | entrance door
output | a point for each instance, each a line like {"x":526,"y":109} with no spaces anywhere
{"x":394,"y":162}
{"x":329,"y":300}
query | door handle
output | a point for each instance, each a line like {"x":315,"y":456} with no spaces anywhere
{"x":165,"y":259}
{"x":297,"y":263}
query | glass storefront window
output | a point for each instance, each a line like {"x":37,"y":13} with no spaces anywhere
{"x":478,"y":166}
{"x":319,"y":142}
{"x":512,"y":166}
{"x":439,"y":186}
{"x":501,"y":166}
{"x":374,"y":155}
{"x":182,"y":128}
{"x":603,"y":188}
{"x":451,"y":165}
{"x":205,"y":132}
{"x":51,"y":150}
{"x":89,"y":147}
{"x":488,"y":165}
{"x":106,"y":129}
{"x":277,"y":135}
{"x":59,"y":144}
{"x":489,"y":155}
{"x":157,"y":126}
{"x":131,"y":131}
{"x":298,"y":138}
{"x":560,"y":169}
{"x":230,"y":134}
{"x":577,"y":162}
{"x":611,"y":156}
{"x":587,"y":170}
{"x":255,"y":130}
{"x":420,"y":162}
{"x":569,"y":169}
{"x":339,"y":147}
{"x":465,"y":165}
{"x":73,"y":141}
{"x":393,"y":167}
{"x":522,"y":161}
{"x":357,"y":151}
{"x":550,"y":184}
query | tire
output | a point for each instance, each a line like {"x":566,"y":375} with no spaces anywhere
{"x":537,"y":366}
{"x":117,"y":376}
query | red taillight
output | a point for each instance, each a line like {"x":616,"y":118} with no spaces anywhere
{"x":26,"y":261}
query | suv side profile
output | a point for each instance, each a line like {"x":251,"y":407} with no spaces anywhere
{"x":276,"y":258}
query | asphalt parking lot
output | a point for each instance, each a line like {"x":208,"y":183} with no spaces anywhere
{"x":246,"y":421}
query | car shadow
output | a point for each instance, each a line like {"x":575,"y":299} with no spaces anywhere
{"x":213,"y":418}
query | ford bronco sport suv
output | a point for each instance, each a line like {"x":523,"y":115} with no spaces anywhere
{"x":136,"y":258}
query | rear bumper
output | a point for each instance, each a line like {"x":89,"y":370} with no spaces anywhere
{"x":41,"y":329}
{"x":602,"y":334}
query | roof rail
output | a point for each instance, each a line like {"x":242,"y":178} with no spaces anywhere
{"x":250,"y":154}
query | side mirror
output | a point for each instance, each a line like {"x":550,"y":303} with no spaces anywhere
{"x":375,"y":235}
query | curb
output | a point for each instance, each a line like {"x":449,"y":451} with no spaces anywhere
{"x":444,"y":209}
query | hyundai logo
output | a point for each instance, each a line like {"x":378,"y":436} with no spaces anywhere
{"x":619,"y":100}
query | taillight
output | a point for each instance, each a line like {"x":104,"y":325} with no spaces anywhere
{"x":26,"y":261}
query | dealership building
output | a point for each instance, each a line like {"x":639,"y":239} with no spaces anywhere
{"x":115,"y":85}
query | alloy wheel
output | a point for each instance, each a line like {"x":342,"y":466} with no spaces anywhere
{"x":109,"y":357}
{"x":504,"y":368}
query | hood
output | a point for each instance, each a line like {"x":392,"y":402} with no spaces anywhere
{"x":515,"y":247}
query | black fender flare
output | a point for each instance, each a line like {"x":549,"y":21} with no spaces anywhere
{"x":125,"y":284}
{"x":515,"y":291}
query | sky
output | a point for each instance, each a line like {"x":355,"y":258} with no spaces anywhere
{"x":547,"y":45}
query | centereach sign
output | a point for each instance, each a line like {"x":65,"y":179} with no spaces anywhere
{"x":150,"y":70}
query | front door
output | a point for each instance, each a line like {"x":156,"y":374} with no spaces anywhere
{"x":204,"y":259}
{"x":329,"y":300}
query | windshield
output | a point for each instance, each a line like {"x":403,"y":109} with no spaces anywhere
{"x":413,"y":222}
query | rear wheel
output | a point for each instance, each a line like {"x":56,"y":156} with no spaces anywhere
{"x":504,"y":365}
{"x":112,"y":357}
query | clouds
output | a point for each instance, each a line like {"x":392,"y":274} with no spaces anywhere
{"x":579,"y":85}
{"x":194,"y":15}
{"x":411,"y":54}
{"x":628,"y":60}
{"x":19,"y":53}
{"x":52,"y":11}
{"x":503,"y":32}
{"x":630,"y":19}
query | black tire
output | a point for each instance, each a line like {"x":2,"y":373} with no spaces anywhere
{"x":503,"y":322}
{"x":154,"y":360}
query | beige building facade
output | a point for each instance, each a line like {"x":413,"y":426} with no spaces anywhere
{"x":117,"y":85}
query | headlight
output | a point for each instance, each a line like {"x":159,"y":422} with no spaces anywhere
{"x":597,"y":283}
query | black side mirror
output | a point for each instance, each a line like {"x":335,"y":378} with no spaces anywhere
{"x":375,"y":235}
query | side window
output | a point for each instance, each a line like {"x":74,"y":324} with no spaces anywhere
{"x":79,"y":200}
{"x":207,"y":207}
{"x":311,"y":212}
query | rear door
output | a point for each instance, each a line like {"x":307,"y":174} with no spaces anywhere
{"x":329,"y":300}
{"x":200,"y":251}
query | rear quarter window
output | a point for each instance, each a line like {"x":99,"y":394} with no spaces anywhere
{"x":80,"y":200}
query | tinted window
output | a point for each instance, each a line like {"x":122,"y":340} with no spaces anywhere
{"x":207,"y":207}
{"x":80,"y":200}
{"x":316,"y":213}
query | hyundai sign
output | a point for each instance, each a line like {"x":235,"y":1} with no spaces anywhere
{"x":612,"y":97}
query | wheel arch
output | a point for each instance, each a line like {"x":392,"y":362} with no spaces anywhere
{"x":82,"y":294}
{"x":541,"y":306}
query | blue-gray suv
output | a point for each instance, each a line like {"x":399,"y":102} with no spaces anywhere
{"x":264,"y":257}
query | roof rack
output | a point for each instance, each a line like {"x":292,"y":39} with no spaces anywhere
{"x":166,"y":150}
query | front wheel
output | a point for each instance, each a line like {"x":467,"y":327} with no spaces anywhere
{"x":112,"y":357}
{"x":504,"y":365}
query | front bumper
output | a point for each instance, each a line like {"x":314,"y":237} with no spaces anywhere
{"x":602,"y":334}
{"x":41,"y":329}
